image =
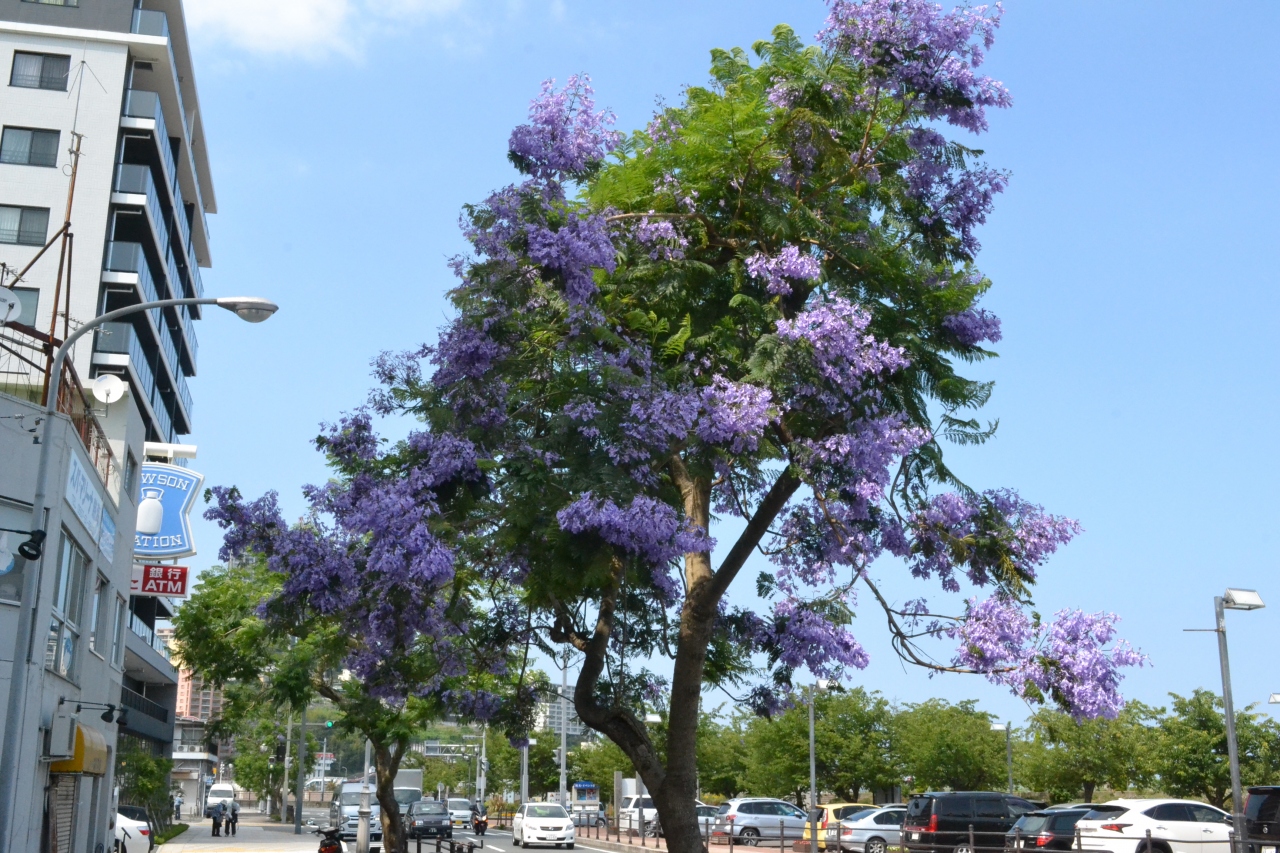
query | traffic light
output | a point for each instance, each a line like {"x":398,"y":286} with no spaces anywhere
{"x":556,"y":753}
{"x":328,"y":724}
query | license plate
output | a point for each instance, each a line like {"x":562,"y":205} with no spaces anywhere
{"x":913,"y":836}
{"x":1268,"y":850}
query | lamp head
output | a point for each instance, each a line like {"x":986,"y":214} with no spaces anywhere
{"x":34,"y":546}
{"x":652,"y":718}
{"x":109,"y":715}
{"x":123,"y":719}
{"x":1242,"y":599}
{"x":999,"y":727}
{"x":253,"y":309}
{"x":1274,"y":699}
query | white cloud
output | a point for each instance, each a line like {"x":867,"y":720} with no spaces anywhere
{"x":306,"y":27}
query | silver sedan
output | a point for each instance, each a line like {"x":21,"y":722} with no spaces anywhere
{"x":872,"y":832}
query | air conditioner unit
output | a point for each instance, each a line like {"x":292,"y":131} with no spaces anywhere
{"x":61,"y":741}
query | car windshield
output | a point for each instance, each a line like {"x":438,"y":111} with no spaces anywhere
{"x":1105,"y":812}
{"x":428,"y":808}
{"x":546,"y":811}
{"x":459,"y":805}
{"x":1066,"y":821}
{"x":920,"y":807}
{"x":857,"y":814}
{"x":406,"y":796}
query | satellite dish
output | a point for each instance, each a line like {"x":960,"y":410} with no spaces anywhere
{"x":10,"y":307}
{"x":108,"y":388}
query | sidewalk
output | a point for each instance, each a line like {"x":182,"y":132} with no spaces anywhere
{"x":255,"y":834}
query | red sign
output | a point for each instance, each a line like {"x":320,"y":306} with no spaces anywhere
{"x":154,"y":581}
{"x":324,"y":756}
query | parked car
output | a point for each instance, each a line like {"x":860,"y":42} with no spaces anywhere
{"x":429,"y":819}
{"x":542,"y":823}
{"x":1046,"y":829}
{"x":1176,"y":826}
{"x":636,"y":812}
{"x":939,"y":822}
{"x":1262,"y":815}
{"x":873,"y":830}
{"x":132,"y":835}
{"x":828,"y":818}
{"x":706,"y":812}
{"x":749,"y":819}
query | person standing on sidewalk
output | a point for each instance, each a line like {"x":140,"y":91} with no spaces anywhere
{"x":216,"y":814}
{"x":233,"y":817}
{"x":177,"y":808}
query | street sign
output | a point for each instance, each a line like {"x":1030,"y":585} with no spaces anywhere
{"x":164,"y":512}
{"x":324,"y":756}
{"x":153,"y":581}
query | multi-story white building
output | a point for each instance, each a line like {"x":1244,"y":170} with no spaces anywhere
{"x":551,"y":714}
{"x":112,"y":80}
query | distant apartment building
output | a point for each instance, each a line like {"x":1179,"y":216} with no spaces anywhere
{"x":113,"y":81}
{"x":550,"y":716}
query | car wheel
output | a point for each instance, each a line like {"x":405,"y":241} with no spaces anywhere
{"x":876,"y":845}
{"x":750,"y":837}
{"x":570,"y":846}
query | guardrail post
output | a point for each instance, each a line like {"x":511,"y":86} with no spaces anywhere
{"x":1079,"y":842}
{"x":1017,"y":837}
{"x":730,"y":827}
{"x":972,"y":847}
{"x":1148,"y":850}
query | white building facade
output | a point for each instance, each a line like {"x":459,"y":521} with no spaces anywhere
{"x":113,"y":80}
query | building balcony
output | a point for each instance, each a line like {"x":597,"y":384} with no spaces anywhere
{"x":147,"y":22}
{"x":127,"y":264}
{"x":117,"y":345}
{"x":136,"y":187}
{"x":146,"y":718}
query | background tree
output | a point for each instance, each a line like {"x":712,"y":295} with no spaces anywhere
{"x":950,"y":746}
{"x":1192,"y":748}
{"x":143,"y":778}
{"x":722,"y":755}
{"x":1069,"y":758}
{"x":596,"y":761}
{"x":239,"y":628}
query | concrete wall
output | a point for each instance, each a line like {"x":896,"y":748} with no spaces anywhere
{"x":112,"y":15}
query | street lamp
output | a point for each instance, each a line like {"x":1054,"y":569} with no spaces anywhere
{"x":822,"y":684}
{"x":1007,"y":728}
{"x":1232,"y":599}
{"x":1273,"y":699}
{"x":252,"y":309}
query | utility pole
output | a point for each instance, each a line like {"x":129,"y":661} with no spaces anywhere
{"x":482,"y":781}
{"x":362,"y":831}
{"x":302,"y":773}
{"x":564,"y":730}
{"x":524,"y":770}
{"x":813,"y":777}
{"x":284,"y":783}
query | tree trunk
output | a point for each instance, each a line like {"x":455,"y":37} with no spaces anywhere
{"x":387,"y":763}
{"x":1088,"y":792}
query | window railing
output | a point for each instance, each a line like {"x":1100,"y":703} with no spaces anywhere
{"x":139,"y":103}
{"x":122,"y":339}
{"x":129,"y":257}
{"x":137,"y":702}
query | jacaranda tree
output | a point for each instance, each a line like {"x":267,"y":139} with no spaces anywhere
{"x":744,"y":321}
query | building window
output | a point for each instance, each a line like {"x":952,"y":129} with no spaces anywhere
{"x":40,"y":71}
{"x":26,"y":226}
{"x":117,"y":632}
{"x":27,"y":147}
{"x":68,"y":602}
{"x":96,"y":617}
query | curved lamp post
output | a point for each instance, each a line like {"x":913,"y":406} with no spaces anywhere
{"x":252,"y":309}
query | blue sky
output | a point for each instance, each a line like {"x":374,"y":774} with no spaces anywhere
{"x":1136,"y":384}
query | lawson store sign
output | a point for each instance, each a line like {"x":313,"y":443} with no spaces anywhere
{"x":164,"y":512}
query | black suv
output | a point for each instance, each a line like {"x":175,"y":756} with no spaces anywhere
{"x":1052,"y":829}
{"x":940,"y":822}
{"x":1262,"y":816}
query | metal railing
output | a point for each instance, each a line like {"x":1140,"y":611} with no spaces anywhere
{"x":143,"y":705}
{"x":150,"y":23}
{"x":146,"y":633}
{"x":122,"y":339}
{"x":25,"y":358}
{"x":136,"y":179}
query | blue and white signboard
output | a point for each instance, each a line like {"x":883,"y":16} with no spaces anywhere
{"x":164,"y":512}
{"x":82,"y":496}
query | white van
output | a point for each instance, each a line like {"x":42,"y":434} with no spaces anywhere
{"x":221,"y":792}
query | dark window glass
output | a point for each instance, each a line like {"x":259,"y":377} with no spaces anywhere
{"x":1170,"y":811}
{"x":1263,"y":805}
{"x":1066,"y":821}
{"x":890,"y":818}
{"x":27,"y":147}
{"x":990,"y":808}
{"x":26,"y":226}
{"x":724,"y":808}
{"x":1032,"y":824}
{"x":955,"y":807}
{"x":40,"y":71}
{"x":919,"y":807}
{"x":1207,"y":814}
{"x":1018,"y":807}
{"x":1105,"y":812}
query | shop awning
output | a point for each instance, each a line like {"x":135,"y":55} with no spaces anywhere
{"x":90,"y":756}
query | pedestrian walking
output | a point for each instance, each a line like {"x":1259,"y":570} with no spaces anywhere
{"x":216,"y":814}
{"x":233,"y":817}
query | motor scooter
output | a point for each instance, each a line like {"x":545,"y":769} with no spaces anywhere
{"x":329,"y":840}
{"x":479,"y":823}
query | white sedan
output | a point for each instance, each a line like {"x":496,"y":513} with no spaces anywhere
{"x":132,"y":835}
{"x":1174,"y":826}
{"x":873,"y":830}
{"x":542,"y":823}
